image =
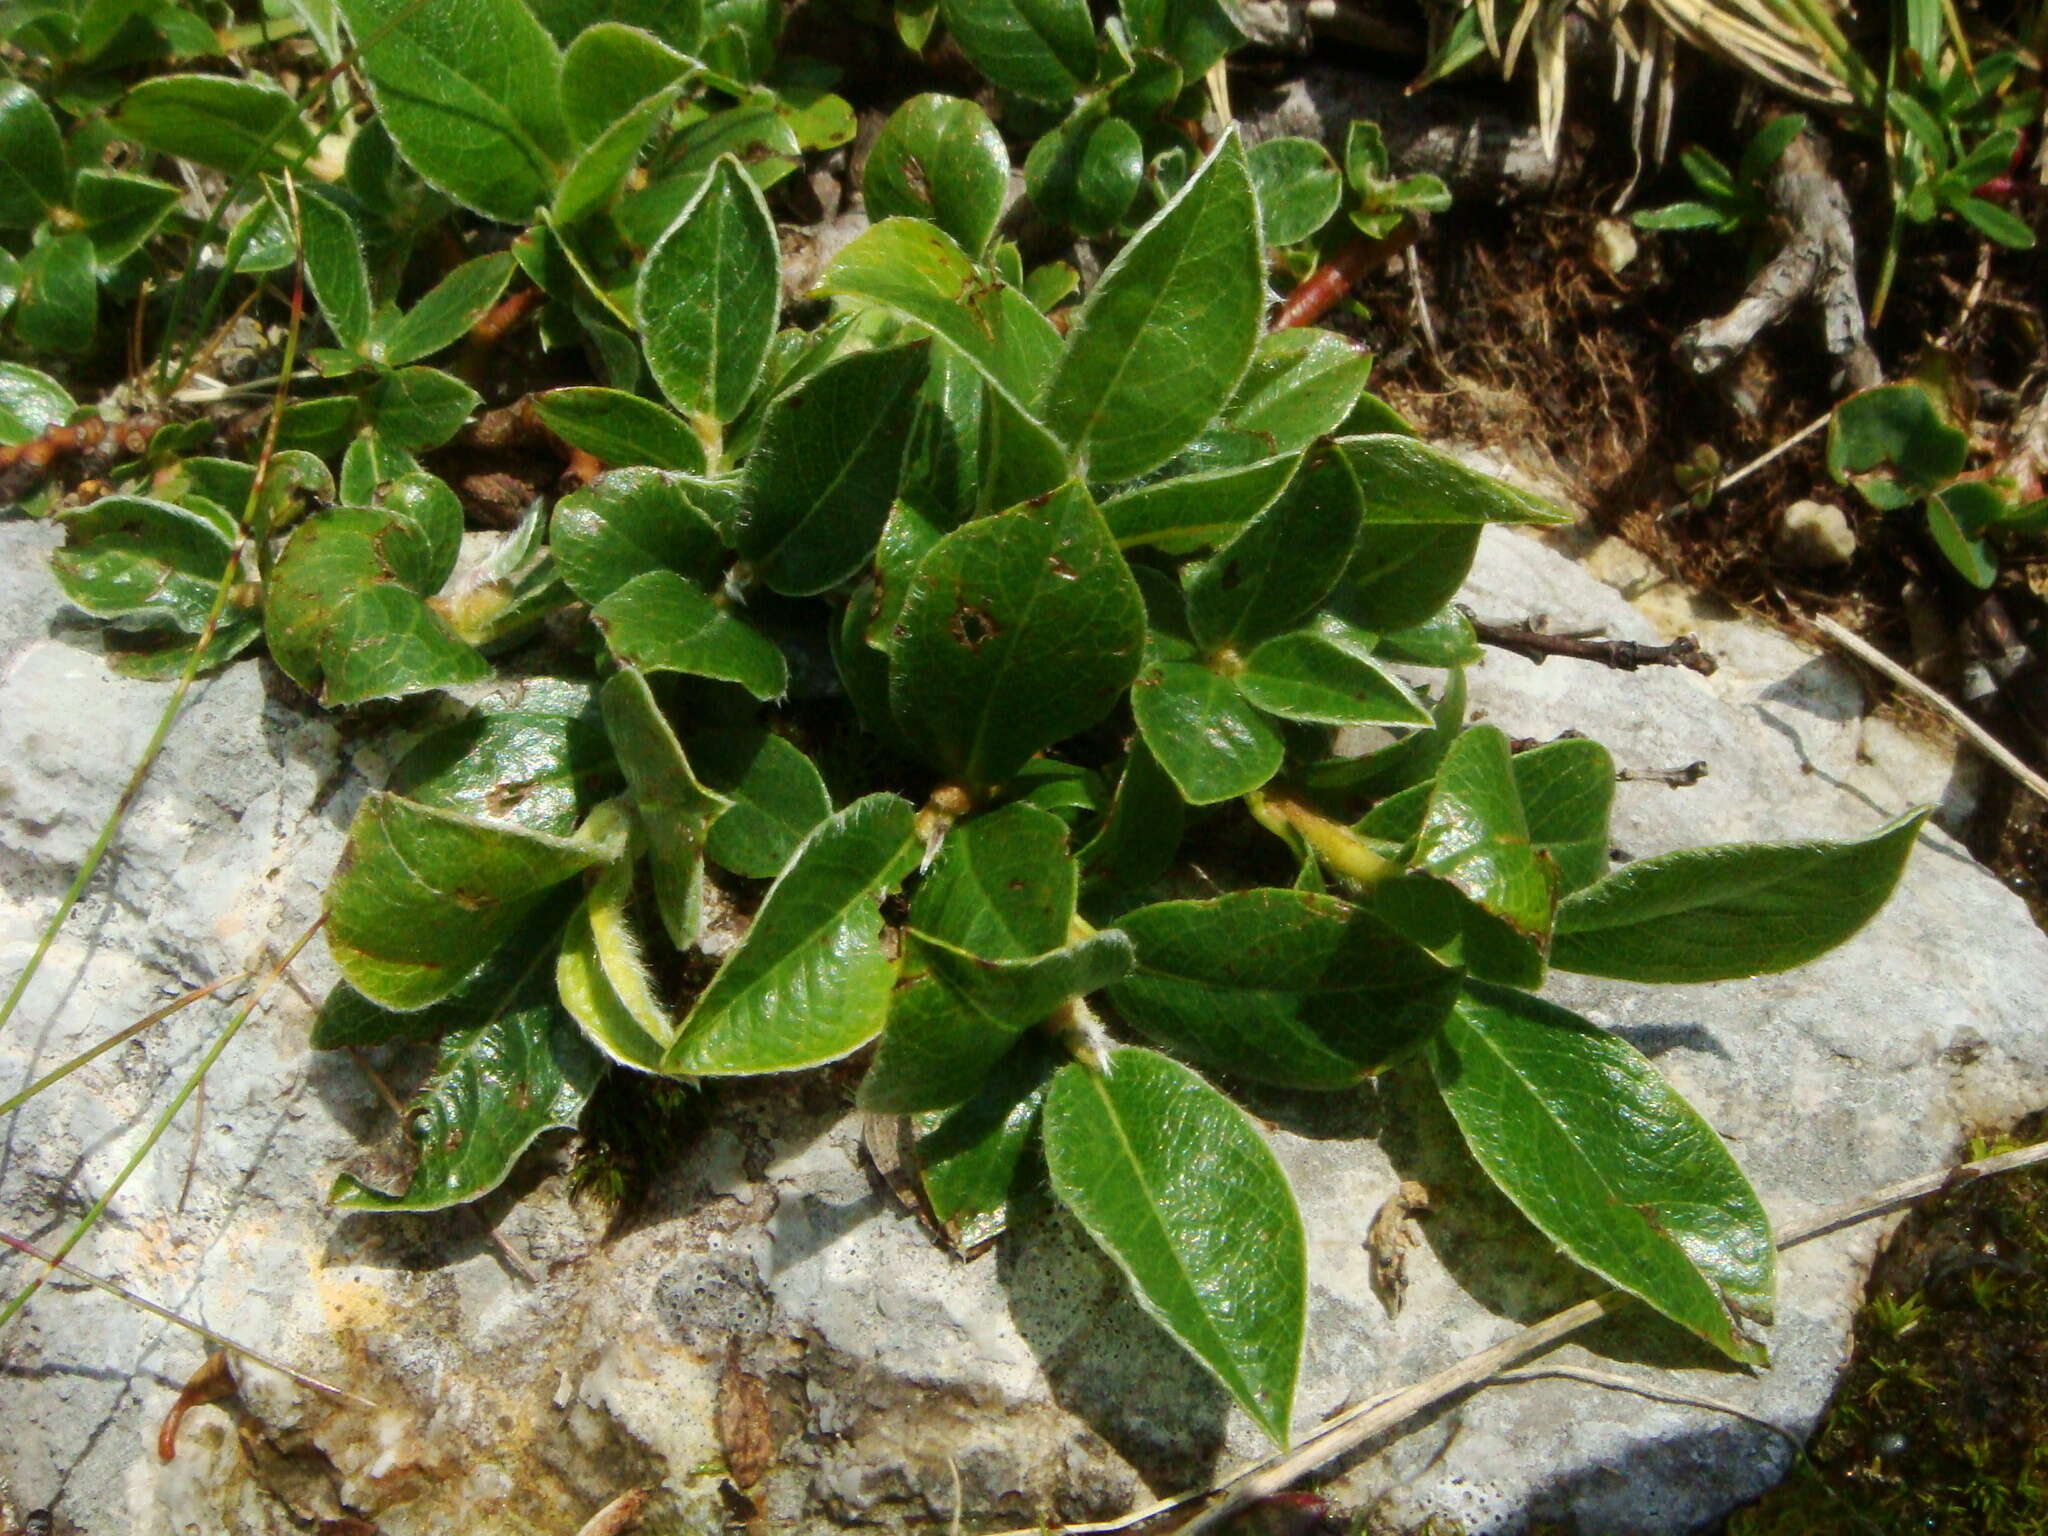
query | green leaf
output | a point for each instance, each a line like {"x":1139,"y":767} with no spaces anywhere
{"x":332,"y":248}
{"x":1207,"y":738}
{"x":1767,"y":147}
{"x":1165,"y":335}
{"x":1280,"y":987}
{"x":620,"y":429}
{"x":778,"y":799}
{"x":914,"y":270}
{"x":1086,"y":172}
{"x":1302,"y":385}
{"x":1003,"y":885}
{"x":628,"y":522}
{"x":602,"y":980}
{"x":345,"y":610}
{"x":519,"y":1069}
{"x":234,"y":125}
{"x":1995,"y":223}
{"x":1041,"y":49}
{"x":33,"y":176}
{"x":940,"y":158}
{"x":1743,"y":909}
{"x":658,"y":622}
{"x":469,"y":93}
{"x":1187,"y":512}
{"x":598,"y":173}
{"x":810,"y":982}
{"x":134,"y":558}
{"x":535,"y":756}
{"x":448,"y":311}
{"x":1020,"y":630}
{"x":1683,"y":215}
{"x":1281,"y":565}
{"x":1405,"y":480}
{"x":1402,"y":574}
{"x":1954,"y":517}
{"x":676,"y":811}
{"x":1609,"y":1163}
{"x":57,"y":310}
{"x":1475,"y":835}
{"x":821,"y":479}
{"x":1140,"y":837}
{"x":610,"y":63}
{"x":1193,"y":33}
{"x":419,"y":408}
{"x":679,"y":23}
{"x":120,"y":211}
{"x":1177,"y":1186}
{"x":31,"y":402}
{"x":976,"y":1160}
{"x":1322,"y":679}
{"x":1567,"y":790}
{"x":707,"y":296}
{"x":1298,"y":185}
{"x":423,"y":896}
{"x":1894,"y":444}
{"x":1445,"y":639}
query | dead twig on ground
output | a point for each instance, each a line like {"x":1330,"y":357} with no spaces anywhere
{"x":1622,"y":655}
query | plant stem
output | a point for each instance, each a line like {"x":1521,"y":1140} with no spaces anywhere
{"x":163,"y":1123}
{"x":1342,"y":851}
{"x":119,"y":1037}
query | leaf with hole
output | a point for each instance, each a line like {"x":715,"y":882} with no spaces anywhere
{"x":941,"y":159}
{"x":535,"y":756}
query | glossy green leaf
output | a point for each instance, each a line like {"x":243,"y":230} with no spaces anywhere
{"x":1894,"y":444}
{"x":1298,"y":185}
{"x":1203,"y":732}
{"x":708,"y":294}
{"x":778,"y":799}
{"x":332,"y":248}
{"x":233,"y":125}
{"x":1302,"y":384}
{"x":31,"y":402}
{"x":120,"y":211}
{"x":628,"y":522}
{"x":676,"y":811}
{"x":419,"y":408}
{"x":1955,"y":517}
{"x":913,"y":270}
{"x":1183,"y":513}
{"x":1321,"y":679}
{"x":820,"y":481}
{"x":1280,"y":987}
{"x":1742,"y":909}
{"x":810,"y":982}
{"x":345,"y":610}
{"x":658,"y":622}
{"x":1086,"y":172}
{"x":1402,"y":574}
{"x":1457,"y":930}
{"x":470,"y":94}
{"x":679,"y":23}
{"x":1475,"y":835}
{"x":428,"y":503}
{"x":1193,"y":33}
{"x":1445,"y":639}
{"x":535,"y":755}
{"x":1041,"y":49}
{"x":1567,"y":791}
{"x":1020,"y":630}
{"x":1178,"y":1187}
{"x":57,"y":311}
{"x":1003,"y":886}
{"x":519,"y":1070}
{"x":448,"y":310}
{"x":33,"y":176}
{"x":977,"y":1161}
{"x":942,"y":484}
{"x":601,"y":169}
{"x":1166,"y":333}
{"x":620,"y":429}
{"x":940,"y":158}
{"x":1609,"y":1162}
{"x":1404,"y":480}
{"x":423,"y":896}
{"x":134,"y":558}
{"x":1278,"y":568}
{"x":609,"y":63}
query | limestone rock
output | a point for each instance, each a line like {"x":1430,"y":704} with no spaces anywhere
{"x":1814,"y":535}
{"x":900,"y":1385}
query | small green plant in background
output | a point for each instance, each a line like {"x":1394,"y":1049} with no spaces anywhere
{"x":1898,"y":446}
{"x":1729,"y":202}
{"x":1087,"y":597}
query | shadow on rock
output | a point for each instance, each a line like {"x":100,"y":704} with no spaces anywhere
{"x":1106,"y":1362}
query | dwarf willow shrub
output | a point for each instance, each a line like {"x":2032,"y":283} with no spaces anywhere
{"x":1075,"y":593}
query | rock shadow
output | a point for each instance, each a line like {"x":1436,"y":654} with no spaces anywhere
{"x":1687,"y":1480}
{"x":1106,"y":1362}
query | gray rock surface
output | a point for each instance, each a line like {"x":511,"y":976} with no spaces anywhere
{"x":900,"y":1385}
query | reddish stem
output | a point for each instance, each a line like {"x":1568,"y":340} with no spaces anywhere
{"x":1321,"y":291}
